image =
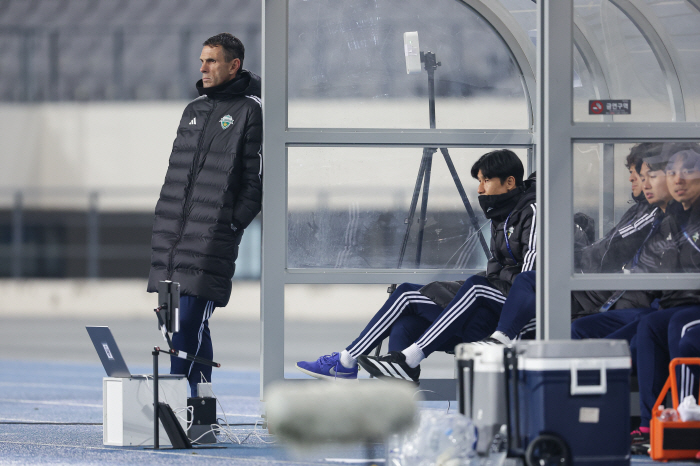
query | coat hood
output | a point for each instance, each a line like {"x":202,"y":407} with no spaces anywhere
{"x":530,"y":183}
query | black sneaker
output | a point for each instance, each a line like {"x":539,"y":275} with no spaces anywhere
{"x":640,"y":442}
{"x":638,"y":437}
{"x":391,"y":365}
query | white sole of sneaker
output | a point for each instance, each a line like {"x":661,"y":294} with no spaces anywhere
{"x":325,"y":377}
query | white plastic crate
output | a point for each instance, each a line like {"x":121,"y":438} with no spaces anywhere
{"x":127,"y":408}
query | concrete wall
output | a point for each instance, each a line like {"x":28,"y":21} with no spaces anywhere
{"x":99,"y":300}
{"x":68,"y":149}
{"x":85,"y":146}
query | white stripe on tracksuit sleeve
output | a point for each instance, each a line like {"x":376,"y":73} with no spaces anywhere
{"x":530,"y":252}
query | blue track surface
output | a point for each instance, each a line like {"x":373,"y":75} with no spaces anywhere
{"x":39,"y":402}
{"x":51,"y":413}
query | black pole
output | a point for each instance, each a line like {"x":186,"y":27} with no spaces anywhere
{"x":465,"y":200}
{"x":180,"y":354}
{"x":430,"y":66}
{"x":412,"y":208}
{"x":156,"y":440}
{"x":424,"y":202}
{"x":423,"y":179}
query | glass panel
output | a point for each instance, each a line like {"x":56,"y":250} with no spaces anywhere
{"x":347,"y":67}
{"x":629,"y":64}
{"x":348,"y":207}
{"x":681,"y":22}
{"x":525,"y":13}
{"x":586,"y":85}
{"x":645,"y":219}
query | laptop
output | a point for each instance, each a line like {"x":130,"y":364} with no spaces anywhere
{"x":107,"y":349}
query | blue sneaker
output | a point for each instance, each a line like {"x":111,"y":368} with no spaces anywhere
{"x":328,"y":367}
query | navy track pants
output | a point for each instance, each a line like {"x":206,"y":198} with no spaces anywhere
{"x":193,"y":338}
{"x":617,"y":324}
{"x":519,"y":310}
{"x":661,"y":336}
{"x":472,"y":315}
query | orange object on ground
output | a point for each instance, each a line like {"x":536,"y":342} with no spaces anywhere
{"x":673,"y":440}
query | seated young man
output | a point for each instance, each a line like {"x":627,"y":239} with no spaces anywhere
{"x":673,"y":330}
{"x":608,"y":254}
{"x":422,"y":319}
{"x":658,"y":254}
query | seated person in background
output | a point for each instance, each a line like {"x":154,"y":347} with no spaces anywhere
{"x":422,"y":319}
{"x":619,"y":245}
{"x":673,"y":331}
{"x":608,"y":254}
{"x":660,"y":251}
{"x":618,"y":251}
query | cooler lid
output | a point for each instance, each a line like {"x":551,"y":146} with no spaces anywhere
{"x":573,"y":349}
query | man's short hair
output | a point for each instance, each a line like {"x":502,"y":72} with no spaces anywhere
{"x":500,"y":164}
{"x":232,"y":45}
{"x":641,"y":151}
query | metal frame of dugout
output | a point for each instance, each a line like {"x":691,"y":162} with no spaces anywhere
{"x":549,"y":95}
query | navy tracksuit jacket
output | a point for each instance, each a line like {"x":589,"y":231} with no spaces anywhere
{"x":440,"y":315}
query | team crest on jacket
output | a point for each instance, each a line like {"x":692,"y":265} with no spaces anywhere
{"x":510,"y":231}
{"x":226,"y":121}
{"x":696,"y":236}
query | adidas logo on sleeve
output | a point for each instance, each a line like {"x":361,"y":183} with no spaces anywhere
{"x":194,"y":121}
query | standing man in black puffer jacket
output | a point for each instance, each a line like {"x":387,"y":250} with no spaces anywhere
{"x":212,"y":191}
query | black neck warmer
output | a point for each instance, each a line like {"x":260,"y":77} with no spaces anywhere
{"x":639,"y":198}
{"x":226,"y":89}
{"x":497,"y":207}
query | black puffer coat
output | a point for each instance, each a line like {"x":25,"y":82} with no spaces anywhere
{"x":513,"y":243}
{"x":212,"y":190}
{"x":513,"y":240}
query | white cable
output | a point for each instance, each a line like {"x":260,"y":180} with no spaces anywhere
{"x":160,"y":389}
{"x":189,"y":409}
{"x":175,"y":411}
{"x":227,"y":432}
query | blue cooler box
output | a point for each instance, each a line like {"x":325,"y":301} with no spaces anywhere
{"x":579,"y":391}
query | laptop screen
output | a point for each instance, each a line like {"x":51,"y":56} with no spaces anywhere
{"x":107,"y":350}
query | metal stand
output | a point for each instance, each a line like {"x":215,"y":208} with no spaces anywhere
{"x":156,"y":430}
{"x":156,"y":404}
{"x":423,"y":178}
{"x":180,"y":354}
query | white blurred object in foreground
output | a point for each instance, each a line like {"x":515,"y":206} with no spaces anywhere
{"x":315,"y":412}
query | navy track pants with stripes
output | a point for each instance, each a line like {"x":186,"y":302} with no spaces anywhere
{"x":471,"y":316}
{"x":661,"y":336}
{"x":193,"y":338}
{"x":519,"y":310}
